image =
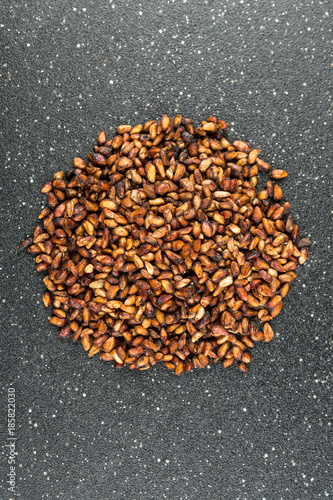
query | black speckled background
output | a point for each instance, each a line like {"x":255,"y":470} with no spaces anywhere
{"x":85,"y":430}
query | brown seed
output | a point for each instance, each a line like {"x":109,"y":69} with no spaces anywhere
{"x":304,"y":255}
{"x":243,"y":368}
{"x":109,"y":344}
{"x":257,"y":215}
{"x":274,"y":301}
{"x":101,"y":138}
{"x":47,"y":299}
{"x":268,"y":332}
{"x":179,"y":368}
{"x":304,"y":242}
{"x":276,"y":310}
{"x":207,"y":228}
{"x":86,"y":343}
{"x":277,"y":194}
{"x":209,"y":127}
{"x":124,"y":163}
{"x":246,"y":357}
{"x":223,"y":350}
{"x":228,"y":362}
{"x":237,"y":352}
{"x":242,"y":146}
{"x":151,"y":172}
{"x":165,"y":122}
{"x":278,"y":174}
{"x":106,"y":356}
{"x":136,"y":351}
{"x":263,"y":166}
{"x":179,"y":172}
{"x":58,"y":321}
{"x":253,"y":156}
{"x":93,"y":350}
{"x":122,"y":129}
{"x":222,"y":284}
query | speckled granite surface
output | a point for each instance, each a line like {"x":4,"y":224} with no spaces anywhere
{"x":85,"y":430}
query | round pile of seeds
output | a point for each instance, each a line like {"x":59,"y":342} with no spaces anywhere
{"x":160,"y":247}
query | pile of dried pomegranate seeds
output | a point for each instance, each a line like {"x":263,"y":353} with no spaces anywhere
{"x":160,"y":248}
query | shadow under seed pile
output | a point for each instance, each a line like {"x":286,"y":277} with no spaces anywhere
{"x":160,"y":248}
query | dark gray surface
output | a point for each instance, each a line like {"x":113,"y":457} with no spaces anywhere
{"x":85,"y":430}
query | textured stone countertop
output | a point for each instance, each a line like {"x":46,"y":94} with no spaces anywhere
{"x":84,"y":429}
